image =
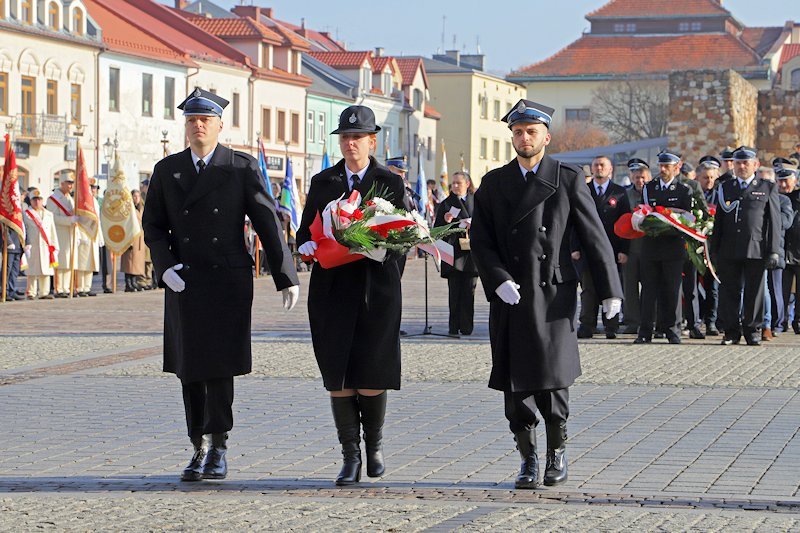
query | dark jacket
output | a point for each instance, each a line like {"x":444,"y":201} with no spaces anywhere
{"x":678,"y":195}
{"x":610,"y":207}
{"x":354,"y":309}
{"x":787,"y":218}
{"x":747,"y":224}
{"x":635,"y":199}
{"x":199,"y":221}
{"x":792,"y":242}
{"x":462,"y":258}
{"x":521,"y":231}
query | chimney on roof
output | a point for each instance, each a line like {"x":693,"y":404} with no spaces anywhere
{"x":267,"y":11}
{"x":454,"y":56}
{"x":302,"y":23}
{"x":181,"y":4}
{"x":379,"y":51}
{"x":248,"y":11}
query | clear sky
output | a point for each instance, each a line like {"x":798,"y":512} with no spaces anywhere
{"x":512,"y":33}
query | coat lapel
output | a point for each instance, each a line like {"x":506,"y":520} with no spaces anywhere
{"x":217,"y":172}
{"x":513,"y":183}
{"x":544,"y":184}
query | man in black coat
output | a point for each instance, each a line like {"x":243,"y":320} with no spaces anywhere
{"x":354,"y":309}
{"x":462,"y":276}
{"x":744,"y":244}
{"x":708,"y":169}
{"x":787,"y":182}
{"x":611,"y":201}
{"x":193,"y":223}
{"x":663,"y":256}
{"x":632,"y":271}
{"x":525,"y":213}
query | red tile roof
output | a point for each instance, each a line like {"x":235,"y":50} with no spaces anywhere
{"x":289,"y":36}
{"x":408,"y":69}
{"x":122,"y":36}
{"x":624,"y":55}
{"x":657,"y":8}
{"x":761,"y":39}
{"x":790,"y":51}
{"x":431,"y":112}
{"x":234,"y":28}
{"x":320,"y":40}
{"x":379,"y":64}
{"x":343,"y":60}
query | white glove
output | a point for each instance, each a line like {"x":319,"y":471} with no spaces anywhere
{"x":507,"y":291}
{"x":290,"y":297}
{"x":172,"y":279}
{"x":12,"y":246}
{"x":612,"y":307}
{"x":308,"y":248}
{"x":28,"y":251}
{"x":73,"y":219}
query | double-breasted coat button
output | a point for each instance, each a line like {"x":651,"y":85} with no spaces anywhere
{"x":185,"y":211}
{"x":514,"y":231}
{"x":542,"y":229}
{"x":214,"y":266}
{"x":214,"y":240}
{"x":186,"y":239}
{"x":186,"y":267}
{"x":215,"y":211}
{"x":543,"y":284}
{"x":516,"y":258}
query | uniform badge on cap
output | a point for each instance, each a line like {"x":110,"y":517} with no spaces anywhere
{"x":521,"y":107}
{"x":352,"y":119}
{"x":197,"y":92}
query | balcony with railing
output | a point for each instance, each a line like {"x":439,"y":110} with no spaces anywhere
{"x":41,"y":128}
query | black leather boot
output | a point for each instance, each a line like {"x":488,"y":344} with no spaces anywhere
{"x":215,"y":466}
{"x":528,"y":477}
{"x":194,"y":470}
{"x":556,"y":468}
{"x":346,"y":418}
{"x":129,"y":283}
{"x":373,"y":412}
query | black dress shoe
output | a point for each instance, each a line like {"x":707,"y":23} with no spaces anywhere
{"x":659,"y":335}
{"x":214,"y":465}
{"x":642,"y":340}
{"x":727,"y":341}
{"x":796,"y":329}
{"x":711,"y":330}
{"x":62,"y":295}
{"x":194,"y":470}
{"x":695,"y":333}
{"x":753,"y":341}
{"x":673,"y":339}
{"x":45,"y":297}
{"x":83,"y":294}
{"x":106,"y":290}
{"x":611,"y":334}
{"x":90,"y":293}
{"x":584,"y":333}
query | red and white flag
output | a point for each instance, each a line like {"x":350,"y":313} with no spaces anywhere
{"x":84,"y":200}
{"x":10,"y":204}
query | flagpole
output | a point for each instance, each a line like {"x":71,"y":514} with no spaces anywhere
{"x":114,"y":272}
{"x":5,"y":261}
{"x":78,"y":135}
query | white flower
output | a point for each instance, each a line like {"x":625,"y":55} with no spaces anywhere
{"x":383,"y":207}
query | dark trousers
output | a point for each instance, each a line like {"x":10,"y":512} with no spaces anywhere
{"x":521,"y":408}
{"x":691,"y":296}
{"x":13,"y":273}
{"x":739,"y":316}
{"x":590,"y":302}
{"x":777,"y":308}
{"x":208,"y":405}
{"x":661,"y":290}
{"x":631,"y":276}
{"x":791,"y":274}
{"x":461,"y":287}
{"x":710,"y":301}
{"x":104,"y":270}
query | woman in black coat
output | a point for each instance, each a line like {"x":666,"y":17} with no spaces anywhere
{"x":354,"y":309}
{"x":462,"y":276}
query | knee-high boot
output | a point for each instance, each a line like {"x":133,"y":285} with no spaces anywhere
{"x":556,"y":468}
{"x":528,"y":477}
{"x":346,"y":418}
{"x":373,"y":413}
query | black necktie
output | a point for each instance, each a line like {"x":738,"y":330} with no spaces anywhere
{"x":599,"y":190}
{"x":201,"y":165}
{"x":529,"y":176}
{"x":356,"y":181}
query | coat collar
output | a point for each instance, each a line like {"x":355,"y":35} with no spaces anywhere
{"x":340,"y":175}
{"x":218,"y":170}
{"x":539,"y":189}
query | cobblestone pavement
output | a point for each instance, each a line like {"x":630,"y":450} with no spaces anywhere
{"x":689,"y":437}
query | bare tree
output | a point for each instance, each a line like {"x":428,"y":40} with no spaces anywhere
{"x":576,"y":135}
{"x":631,"y":110}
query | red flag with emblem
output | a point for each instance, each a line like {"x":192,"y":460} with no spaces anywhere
{"x":84,"y":201}
{"x":10,"y":205}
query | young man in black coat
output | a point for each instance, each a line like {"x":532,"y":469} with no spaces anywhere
{"x":193,"y":222}
{"x":354,"y":309}
{"x":744,"y":245}
{"x":525,"y":213}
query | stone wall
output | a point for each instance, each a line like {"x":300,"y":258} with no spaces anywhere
{"x":710,"y":110}
{"x":778,"y":123}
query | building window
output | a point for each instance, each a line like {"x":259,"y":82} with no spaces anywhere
{"x":795,"y":79}
{"x":52,"y":16}
{"x":495,"y":150}
{"x":281,"y":126}
{"x":387,"y":83}
{"x":52,"y":97}
{"x":508,"y":151}
{"x":147,"y":95}
{"x":26,"y":11}
{"x":483,"y":101}
{"x":77,"y":22}
{"x":416,"y":142}
{"x":321,"y":125}
{"x":2,"y":9}
{"x":169,"y":98}
{"x":581,"y":114}
{"x":310,"y":126}
{"x":113,"y":89}
{"x":366,"y":78}
{"x":418,"y":99}
{"x":3,"y":93}
{"x":28,"y":126}
{"x":295,"y":128}
{"x":496,"y":110}
{"x":697,"y":26}
{"x":484,"y":144}
{"x":630,"y":28}
{"x":683,"y":26}
{"x":430,"y":148}
{"x":75,"y":103}
{"x":235,"y":105}
{"x":266,"y":123}
{"x":619,"y":28}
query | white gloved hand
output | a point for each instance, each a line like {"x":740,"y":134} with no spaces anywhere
{"x":507,"y":291}
{"x":308,"y":248}
{"x":612,"y":307}
{"x":12,"y":246}
{"x":172,"y":279}
{"x":290,"y":297}
{"x":28,"y":251}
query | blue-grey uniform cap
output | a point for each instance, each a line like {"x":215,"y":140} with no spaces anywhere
{"x":637,"y":164}
{"x":528,"y":111}
{"x":709,"y":161}
{"x":398,"y":162}
{"x":668,"y":158}
{"x":203,"y":103}
{"x":744,"y":153}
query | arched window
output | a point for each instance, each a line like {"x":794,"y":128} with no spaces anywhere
{"x":52,"y":16}
{"x":796,"y":78}
{"x":26,"y":11}
{"x":77,"y":22}
{"x":417,"y":99}
{"x":2,"y":9}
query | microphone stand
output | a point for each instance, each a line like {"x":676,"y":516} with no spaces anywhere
{"x":428,"y":329}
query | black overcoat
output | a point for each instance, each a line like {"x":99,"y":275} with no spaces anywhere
{"x":747,"y":224}
{"x":612,"y":205}
{"x":462,"y":259}
{"x":521,"y":231}
{"x":354,"y":309}
{"x":199,"y":221}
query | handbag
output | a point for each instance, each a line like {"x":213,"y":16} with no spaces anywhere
{"x":463,"y":242}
